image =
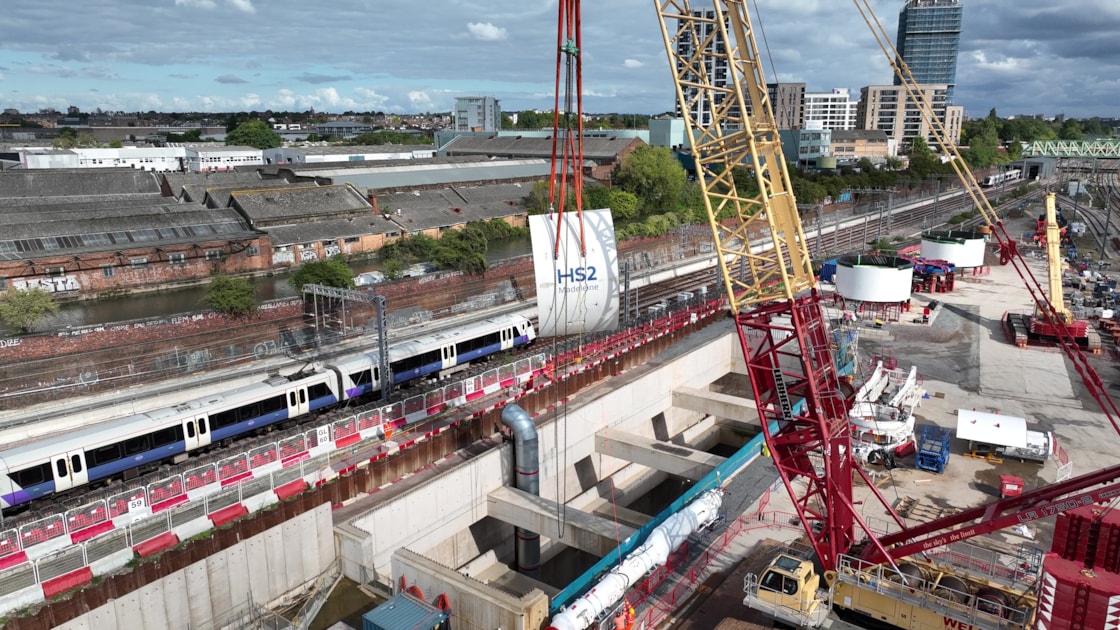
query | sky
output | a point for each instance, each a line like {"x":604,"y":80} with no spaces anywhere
{"x":1021,"y":57}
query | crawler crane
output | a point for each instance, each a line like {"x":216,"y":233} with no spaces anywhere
{"x":784,"y":337}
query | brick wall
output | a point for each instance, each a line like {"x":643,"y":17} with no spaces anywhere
{"x":101,"y":272}
{"x":98,"y":358}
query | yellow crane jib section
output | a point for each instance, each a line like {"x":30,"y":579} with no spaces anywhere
{"x":1054,"y":263}
{"x":729,"y":119}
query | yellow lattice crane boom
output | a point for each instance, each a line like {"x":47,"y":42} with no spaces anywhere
{"x":723,"y":137}
{"x":1054,"y":263}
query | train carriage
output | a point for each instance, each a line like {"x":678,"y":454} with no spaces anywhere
{"x":127,"y":446}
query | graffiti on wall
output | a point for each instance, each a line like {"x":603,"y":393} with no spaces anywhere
{"x":331,"y":250}
{"x":56,"y":284}
{"x":279,"y":258}
{"x":307,"y":254}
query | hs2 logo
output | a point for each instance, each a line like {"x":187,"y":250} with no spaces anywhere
{"x":577,"y":274}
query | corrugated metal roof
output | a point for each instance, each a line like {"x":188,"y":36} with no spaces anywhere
{"x":75,"y":182}
{"x":404,"y":612}
{"x":991,"y":428}
{"x":294,"y":203}
{"x":434,"y":174}
{"x":598,"y":149}
{"x":328,"y":230}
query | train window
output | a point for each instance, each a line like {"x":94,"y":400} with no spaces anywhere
{"x":414,"y":362}
{"x":76,"y":464}
{"x":478,"y":342}
{"x":223,"y":419}
{"x":135,"y":445}
{"x":202,"y":425}
{"x":33,"y":476}
{"x":248,"y":412}
{"x":60,"y":467}
{"x":302,"y":396}
{"x":190,"y":429}
{"x":272,"y":405}
{"x":360,"y":378}
{"x":170,"y":435}
{"x":318,"y":390}
{"x":291,"y":399}
{"x":104,"y":455}
{"x":377,"y":374}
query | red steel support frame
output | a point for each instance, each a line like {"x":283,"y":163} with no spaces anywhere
{"x":789,"y":358}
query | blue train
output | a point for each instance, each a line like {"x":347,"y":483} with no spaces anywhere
{"x":116,"y":447}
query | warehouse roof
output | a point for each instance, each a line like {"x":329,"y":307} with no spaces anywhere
{"x":176,"y":182}
{"x":219,"y":196}
{"x":597,"y":149}
{"x":35,"y":233}
{"x":298,"y":204}
{"x":293,"y":233}
{"x":76,"y":182}
{"x":47,"y":204}
{"x":459,"y":204}
{"x":342,"y":149}
{"x":421,"y":173}
{"x":313,"y":169}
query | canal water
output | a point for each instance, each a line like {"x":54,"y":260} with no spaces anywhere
{"x":174,"y":302}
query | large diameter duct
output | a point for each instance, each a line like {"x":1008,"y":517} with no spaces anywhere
{"x":662,"y":541}
{"x":526,"y":461}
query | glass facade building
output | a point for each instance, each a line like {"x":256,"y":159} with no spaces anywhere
{"x":929,"y":38}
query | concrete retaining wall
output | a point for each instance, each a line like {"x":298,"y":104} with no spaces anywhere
{"x":447,"y":508}
{"x":261,"y":569}
{"x":483,"y":605}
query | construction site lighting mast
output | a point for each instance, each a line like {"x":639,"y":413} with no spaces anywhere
{"x":777,"y":308}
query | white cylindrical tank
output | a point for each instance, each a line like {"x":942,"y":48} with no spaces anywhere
{"x":963,"y":248}
{"x":874,"y":278}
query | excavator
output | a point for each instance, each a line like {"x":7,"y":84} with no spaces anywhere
{"x":891,"y":579}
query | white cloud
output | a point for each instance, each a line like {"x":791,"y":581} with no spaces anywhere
{"x":485,"y":31}
{"x":371,"y":96}
{"x":202,"y":4}
{"x":420,"y":101}
{"x":632,"y":63}
{"x":250,"y":101}
{"x":245,"y":6}
{"x":285,"y":98}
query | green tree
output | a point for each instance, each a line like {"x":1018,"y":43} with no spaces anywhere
{"x":1070,"y":130}
{"x":115,"y":144}
{"x":919,"y":146}
{"x":596,"y":197}
{"x":654,"y":176}
{"x":254,"y":133}
{"x":692,"y":202}
{"x":387,"y":137}
{"x":230,"y":296}
{"x":67,"y":138}
{"x":538,"y":198}
{"x":191,"y":135}
{"x":394,"y":269}
{"x":21,"y":309}
{"x":87,"y":140}
{"x":884,"y":247}
{"x":623,"y":205}
{"x":332,"y":272}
